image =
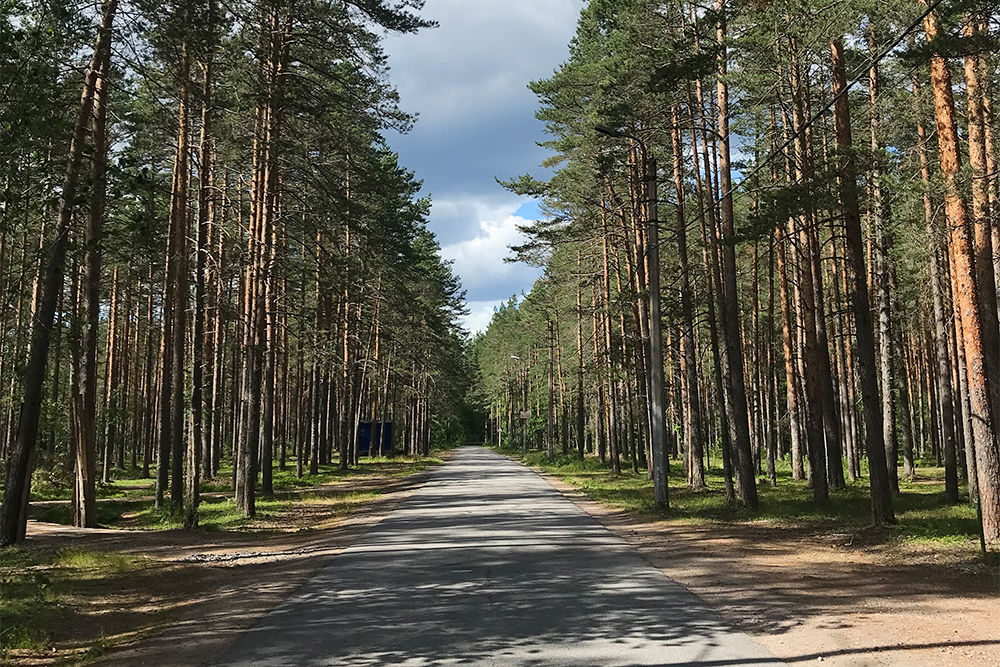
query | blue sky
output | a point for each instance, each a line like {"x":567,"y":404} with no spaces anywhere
{"x":467,"y":80}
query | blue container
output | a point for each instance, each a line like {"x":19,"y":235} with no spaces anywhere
{"x":368,"y":444}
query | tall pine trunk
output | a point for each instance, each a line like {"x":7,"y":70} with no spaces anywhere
{"x":20,"y":460}
{"x":878,"y":475}
{"x":732,"y":364}
{"x":964,"y":280}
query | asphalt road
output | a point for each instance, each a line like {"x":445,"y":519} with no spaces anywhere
{"x":487,"y":564}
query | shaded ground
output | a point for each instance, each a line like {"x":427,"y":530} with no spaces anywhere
{"x":175,"y":597}
{"x":810,"y":594}
{"x":487,"y":564}
{"x":807,"y":593}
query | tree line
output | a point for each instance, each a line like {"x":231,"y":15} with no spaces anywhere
{"x":828,"y":238}
{"x":208,"y":252}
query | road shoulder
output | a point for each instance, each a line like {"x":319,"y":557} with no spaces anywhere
{"x":187,"y":595}
{"x":808,"y":601}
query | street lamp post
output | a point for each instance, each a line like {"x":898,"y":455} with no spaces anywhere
{"x":522,"y":375}
{"x":657,"y":426}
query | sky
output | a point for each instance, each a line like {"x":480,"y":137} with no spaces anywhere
{"x":468,"y":82}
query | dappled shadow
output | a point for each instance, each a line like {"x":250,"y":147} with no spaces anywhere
{"x":788,"y":575}
{"x":809,"y":590}
{"x":488,"y":564}
{"x":192,"y":592}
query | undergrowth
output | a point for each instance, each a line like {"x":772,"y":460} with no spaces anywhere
{"x":922,"y":513}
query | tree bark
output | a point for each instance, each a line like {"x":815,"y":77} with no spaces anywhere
{"x":878,"y":476}
{"x":199,"y":438}
{"x":689,"y":369}
{"x":20,"y":461}
{"x":942,"y":378}
{"x":736,"y":399}
{"x":963,"y":273}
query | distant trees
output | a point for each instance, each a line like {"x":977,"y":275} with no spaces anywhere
{"x":844,"y":307}
{"x":239,"y":269}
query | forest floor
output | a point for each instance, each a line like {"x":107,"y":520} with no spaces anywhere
{"x":815,"y":585}
{"x":142,"y":591}
{"x":809,"y":584}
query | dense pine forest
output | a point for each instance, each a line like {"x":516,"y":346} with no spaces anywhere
{"x":746,"y":409}
{"x":208,"y":252}
{"x":770,"y":240}
{"x":794,"y":208}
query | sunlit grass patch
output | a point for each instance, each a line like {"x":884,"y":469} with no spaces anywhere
{"x":126,"y":489}
{"x":127,"y":504}
{"x":98,"y":563}
{"x":922,"y":514}
{"x":341,"y":499}
{"x":213,"y":514}
{"x":34,"y":584}
{"x":368,"y":467}
{"x":48,"y":485}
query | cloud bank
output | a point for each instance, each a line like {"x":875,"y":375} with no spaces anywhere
{"x":467,"y":80}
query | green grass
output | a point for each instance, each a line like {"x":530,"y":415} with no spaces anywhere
{"x":213,"y":514}
{"x":38,"y":587}
{"x":125,"y":503}
{"x":923,"y":515}
{"x":35,"y":584}
{"x":398,"y":466}
{"x":107,"y":512}
{"x":57,"y":484}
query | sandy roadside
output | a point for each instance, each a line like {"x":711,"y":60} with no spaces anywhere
{"x":821,"y":599}
{"x":200,"y":590}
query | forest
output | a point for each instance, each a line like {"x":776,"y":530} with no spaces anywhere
{"x":209,"y":255}
{"x":791,"y":209}
{"x":765,"y":340}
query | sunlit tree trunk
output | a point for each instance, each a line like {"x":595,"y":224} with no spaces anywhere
{"x":983,"y":238}
{"x":963,"y":274}
{"x":945,"y":400}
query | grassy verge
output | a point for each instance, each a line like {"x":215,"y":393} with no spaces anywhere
{"x":126,"y":504}
{"x":38,"y":586}
{"x":128,"y":483}
{"x":45,"y":592}
{"x":923,"y":515}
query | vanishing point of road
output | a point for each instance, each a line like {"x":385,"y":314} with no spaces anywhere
{"x":488,"y":564}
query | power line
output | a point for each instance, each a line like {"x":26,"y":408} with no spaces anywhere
{"x":861,"y":74}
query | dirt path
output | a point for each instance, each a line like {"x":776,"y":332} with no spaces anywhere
{"x":819,"y":598}
{"x":196,"y":591}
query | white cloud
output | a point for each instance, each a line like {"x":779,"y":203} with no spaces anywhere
{"x":480,"y":315}
{"x":479,"y":261}
{"x":467,"y":80}
{"x":459,"y":217}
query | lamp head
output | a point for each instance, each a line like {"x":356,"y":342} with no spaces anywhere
{"x":609,"y":131}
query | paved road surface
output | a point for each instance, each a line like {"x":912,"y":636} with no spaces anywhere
{"x":487,"y":564}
